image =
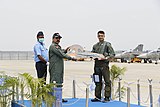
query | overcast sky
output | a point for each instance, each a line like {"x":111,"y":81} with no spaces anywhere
{"x":126,"y":22}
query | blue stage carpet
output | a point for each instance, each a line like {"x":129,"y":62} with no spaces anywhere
{"x":81,"y":103}
{"x":75,"y":102}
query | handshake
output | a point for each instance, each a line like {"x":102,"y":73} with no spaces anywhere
{"x":99,"y":58}
{"x":73,"y":59}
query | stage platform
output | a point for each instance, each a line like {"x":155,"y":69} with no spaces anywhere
{"x":76,"y":102}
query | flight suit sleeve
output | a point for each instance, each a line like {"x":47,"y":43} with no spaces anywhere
{"x":60,"y":53}
{"x":64,"y":51}
{"x":109,"y":51}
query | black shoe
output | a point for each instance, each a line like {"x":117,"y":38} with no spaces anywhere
{"x":64,"y":101}
{"x":95,"y":100}
{"x":106,"y":100}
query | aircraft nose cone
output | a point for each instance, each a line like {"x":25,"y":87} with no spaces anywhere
{"x":142,"y":56}
{"x":118,"y":56}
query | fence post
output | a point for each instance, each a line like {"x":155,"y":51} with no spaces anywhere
{"x":1,"y":55}
{"x":17,"y":91}
{"x":128,"y":96}
{"x":18,"y":55}
{"x":13,"y":95}
{"x":158,"y":102}
{"x":138,"y":92}
{"x":87,"y":95}
{"x":74,"y":89}
{"x":22,"y":93}
{"x":119,"y":88}
{"x":150,"y":92}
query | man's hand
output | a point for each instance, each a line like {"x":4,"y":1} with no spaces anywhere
{"x":107,"y":58}
{"x":47,"y":63}
{"x":74,"y":59}
{"x":67,"y":49}
{"x":101,"y":58}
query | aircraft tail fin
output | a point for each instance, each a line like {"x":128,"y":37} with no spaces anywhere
{"x":139,"y":48}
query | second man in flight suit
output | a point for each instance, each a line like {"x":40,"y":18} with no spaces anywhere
{"x":56,"y":61}
{"x":101,"y":67}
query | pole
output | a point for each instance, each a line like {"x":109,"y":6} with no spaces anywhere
{"x":74,"y":89}
{"x":158,"y":102}
{"x":87,"y":95}
{"x":17,"y":92}
{"x":128,"y":96}
{"x":119,"y":88}
{"x":150,"y":92}
{"x":138,"y":92}
{"x":13,"y":88}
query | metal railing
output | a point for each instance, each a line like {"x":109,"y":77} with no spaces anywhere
{"x":16,"y":55}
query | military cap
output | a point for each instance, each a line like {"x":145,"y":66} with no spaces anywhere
{"x":57,"y":35}
{"x":40,"y":33}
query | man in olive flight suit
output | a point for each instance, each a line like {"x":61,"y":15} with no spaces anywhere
{"x":56,"y":61}
{"x":101,"y":67}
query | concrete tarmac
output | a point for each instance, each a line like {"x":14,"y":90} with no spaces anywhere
{"x":81,"y":72}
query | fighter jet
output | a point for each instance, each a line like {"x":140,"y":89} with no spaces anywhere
{"x":78,"y":52}
{"x":90,"y":55}
{"x":150,"y":56}
{"x":126,"y":56}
